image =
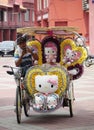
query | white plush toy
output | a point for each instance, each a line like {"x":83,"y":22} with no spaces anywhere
{"x":50,"y":52}
{"x":69,"y":56}
{"x":52,"y":101}
{"x":39,"y":101}
{"x":46,"y":84}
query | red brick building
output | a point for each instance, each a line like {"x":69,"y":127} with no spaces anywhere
{"x":15,"y":14}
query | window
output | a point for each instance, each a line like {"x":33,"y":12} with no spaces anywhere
{"x":11,"y":16}
{"x":27,"y":15}
{"x":33,"y":16}
{"x":61,"y":23}
{"x":45,"y":4}
{"x":39,"y":5}
{"x":19,"y":17}
{"x":1,"y":15}
{"x":5,"y":16}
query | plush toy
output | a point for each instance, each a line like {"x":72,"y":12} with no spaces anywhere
{"x":46,"y":85}
{"x":50,"y":53}
{"x":39,"y":101}
{"x":52,"y":101}
{"x":71,"y":56}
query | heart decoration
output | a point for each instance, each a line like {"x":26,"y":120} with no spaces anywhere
{"x":71,"y":54}
{"x":36,"y":46}
{"x":63,"y":80}
{"x":30,"y":79}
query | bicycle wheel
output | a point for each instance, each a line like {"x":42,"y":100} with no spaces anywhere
{"x":70,"y":108}
{"x":71,"y":99}
{"x":26,"y":107}
{"x":18,"y":105}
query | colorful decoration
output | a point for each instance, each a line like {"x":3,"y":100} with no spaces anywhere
{"x":46,"y":85}
{"x":79,"y":69}
{"x":39,"y":101}
{"x":52,"y":101}
{"x":36,"y":46}
{"x":55,"y":79}
{"x":50,"y":49}
{"x":63,"y":78}
{"x":50,"y":53}
{"x":30,"y":79}
{"x":71,"y":54}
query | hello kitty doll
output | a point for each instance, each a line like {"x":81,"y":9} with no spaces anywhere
{"x":52,"y":101}
{"x":39,"y":101}
{"x":46,"y":85}
{"x":50,"y":53}
{"x":70,"y":56}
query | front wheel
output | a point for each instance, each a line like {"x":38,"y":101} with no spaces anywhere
{"x":18,"y":105}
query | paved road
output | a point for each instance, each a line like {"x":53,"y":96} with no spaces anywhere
{"x":83,"y":106}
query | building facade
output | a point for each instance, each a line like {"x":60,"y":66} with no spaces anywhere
{"x":63,"y":13}
{"x":91,"y":26}
{"x":15,"y":14}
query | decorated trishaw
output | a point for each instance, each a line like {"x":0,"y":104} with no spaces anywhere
{"x":48,"y":85}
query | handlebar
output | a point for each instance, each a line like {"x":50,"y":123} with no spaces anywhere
{"x":18,"y":72}
{"x":12,"y":72}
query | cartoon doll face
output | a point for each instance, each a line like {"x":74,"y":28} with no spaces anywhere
{"x":50,"y":52}
{"x":46,"y":83}
{"x":71,"y":55}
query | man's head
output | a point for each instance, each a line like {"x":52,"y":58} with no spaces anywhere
{"x":21,"y":42}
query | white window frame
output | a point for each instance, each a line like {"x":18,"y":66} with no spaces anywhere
{"x":5,"y":16}
{"x":45,"y":4}
{"x":27,"y":15}
{"x":33,"y":16}
{"x":39,"y":5}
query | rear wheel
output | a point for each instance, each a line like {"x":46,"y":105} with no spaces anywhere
{"x":70,"y":108}
{"x":18,"y":105}
{"x":71,"y":99}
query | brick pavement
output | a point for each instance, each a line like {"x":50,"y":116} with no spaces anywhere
{"x":83,"y":109}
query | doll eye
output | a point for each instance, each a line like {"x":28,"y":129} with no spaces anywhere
{"x":51,"y":86}
{"x":40,"y":85}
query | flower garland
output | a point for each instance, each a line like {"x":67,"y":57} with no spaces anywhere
{"x":37,"y":44}
{"x":78,"y":67}
{"x":63,"y":79}
{"x":68,"y":42}
{"x":30,"y":79}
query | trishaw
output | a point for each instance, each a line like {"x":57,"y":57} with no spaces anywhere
{"x":48,"y":85}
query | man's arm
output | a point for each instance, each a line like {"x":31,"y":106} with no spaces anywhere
{"x":34,"y":55}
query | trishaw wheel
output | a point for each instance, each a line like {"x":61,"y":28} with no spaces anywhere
{"x":26,"y":108}
{"x":70,"y":108}
{"x":87,"y":64}
{"x":18,"y":105}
